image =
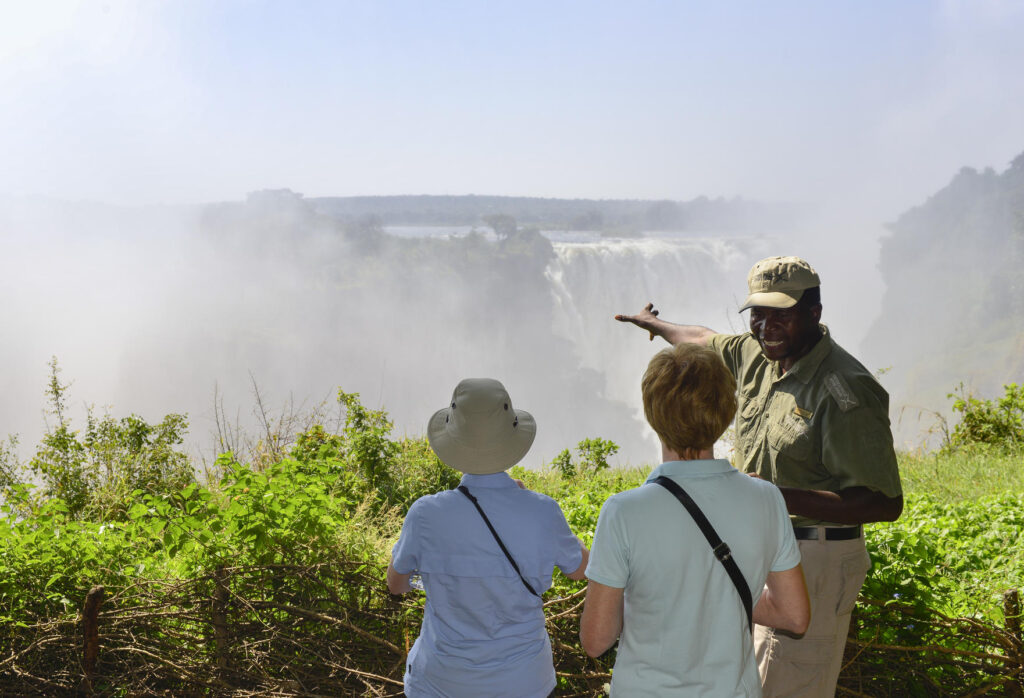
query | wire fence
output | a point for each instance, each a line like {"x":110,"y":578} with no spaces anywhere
{"x":333,"y":630}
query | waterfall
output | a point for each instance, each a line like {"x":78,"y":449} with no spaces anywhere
{"x":690,"y":280}
{"x":150,"y":310}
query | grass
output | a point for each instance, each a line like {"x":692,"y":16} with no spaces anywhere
{"x":962,"y":476}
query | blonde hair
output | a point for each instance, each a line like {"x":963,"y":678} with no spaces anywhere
{"x":689,"y":397}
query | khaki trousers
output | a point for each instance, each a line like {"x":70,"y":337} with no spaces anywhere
{"x":808,"y":666}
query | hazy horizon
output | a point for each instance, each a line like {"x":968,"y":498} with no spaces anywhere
{"x":864,"y":108}
{"x":855,"y":112}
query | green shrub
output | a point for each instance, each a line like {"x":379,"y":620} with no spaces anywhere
{"x":998,"y":423}
{"x":95,"y":475}
{"x":364,"y":464}
{"x":593,"y":454}
{"x":563,"y":465}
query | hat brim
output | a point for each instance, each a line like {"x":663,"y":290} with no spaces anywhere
{"x":504,"y":453}
{"x":772,"y":299}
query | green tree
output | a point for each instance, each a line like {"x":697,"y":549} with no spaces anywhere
{"x":593,"y":457}
{"x":94,"y":476}
{"x":368,"y":450}
{"x":998,"y":423}
{"x":502,"y":224}
{"x":10,"y":464}
{"x":594,"y":453}
{"x":61,"y":460}
{"x":563,"y":464}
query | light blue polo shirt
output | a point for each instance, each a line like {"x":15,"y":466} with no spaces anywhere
{"x":483,"y":633}
{"x":684,"y":628}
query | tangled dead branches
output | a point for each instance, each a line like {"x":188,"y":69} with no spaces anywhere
{"x":333,"y":630}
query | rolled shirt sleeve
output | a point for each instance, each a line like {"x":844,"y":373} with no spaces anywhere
{"x":405,"y":556}
{"x":609,"y":554}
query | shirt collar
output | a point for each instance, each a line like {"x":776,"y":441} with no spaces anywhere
{"x":805,"y":367}
{"x":687,"y":468}
{"x":493,"y":480}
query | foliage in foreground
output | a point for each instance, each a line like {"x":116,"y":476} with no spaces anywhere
{"x":289,"y":532}
{"x":988,"y":423}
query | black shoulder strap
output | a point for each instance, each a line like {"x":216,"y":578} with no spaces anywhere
{"x":719,"y":547}
{"x":463,"y":490}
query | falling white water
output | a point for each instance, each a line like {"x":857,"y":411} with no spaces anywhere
{"x":690,"y":280}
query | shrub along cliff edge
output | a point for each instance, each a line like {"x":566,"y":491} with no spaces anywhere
{"x":122,"y":573}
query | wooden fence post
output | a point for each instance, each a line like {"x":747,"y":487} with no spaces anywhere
{"x":1011,"y":611}
{"x":219,"y":617}
{"x":91,"y":635}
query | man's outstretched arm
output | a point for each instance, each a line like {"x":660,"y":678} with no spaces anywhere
{"x":647,"y":319}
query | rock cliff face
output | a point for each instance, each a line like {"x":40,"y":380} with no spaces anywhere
{"x":953,"y":309}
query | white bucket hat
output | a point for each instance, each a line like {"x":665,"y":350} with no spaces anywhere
{"x":479,"y":432}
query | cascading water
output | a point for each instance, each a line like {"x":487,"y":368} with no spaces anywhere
{"x":158,"y":309}
{"x":690,"y":280}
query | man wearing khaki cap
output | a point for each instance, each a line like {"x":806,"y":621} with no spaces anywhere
{"x":815,"y":422}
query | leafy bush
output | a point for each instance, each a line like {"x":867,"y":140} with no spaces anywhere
{"x":95,"y":475}
{"x":340,"y":495}
{"x":593,"y":453}
{"x":563,"y":465}
{"x":365,"y":464}
{"x":997,"y":423}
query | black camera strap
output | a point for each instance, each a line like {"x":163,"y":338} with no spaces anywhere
{"x":718,"y":546}
{"x":463,"y":490}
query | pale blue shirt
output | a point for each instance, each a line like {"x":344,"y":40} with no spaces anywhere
{"x":684,"y":628}
{"x":483,"y":632}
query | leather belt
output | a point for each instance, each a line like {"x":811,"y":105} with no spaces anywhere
{"x":841,"y":533}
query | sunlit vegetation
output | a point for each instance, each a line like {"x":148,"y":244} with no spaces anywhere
{"x":266,"y":574}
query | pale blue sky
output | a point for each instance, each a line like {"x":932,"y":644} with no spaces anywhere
{"x":864,"y":106}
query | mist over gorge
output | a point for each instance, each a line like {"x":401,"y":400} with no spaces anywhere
{"x":149,"y":310}
{"x":953,"y":310}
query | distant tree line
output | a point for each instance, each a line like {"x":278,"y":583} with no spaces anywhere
{"x":953,"y":270}
{"x":622,"y":216}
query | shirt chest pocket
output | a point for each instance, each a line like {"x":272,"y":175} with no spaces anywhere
{"x":749,"y":409}
{"x":790,"y":437}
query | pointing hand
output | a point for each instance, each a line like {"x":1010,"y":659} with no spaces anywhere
{"x":644,"y":319}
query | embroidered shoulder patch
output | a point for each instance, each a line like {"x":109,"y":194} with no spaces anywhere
{"x":841,"y":392}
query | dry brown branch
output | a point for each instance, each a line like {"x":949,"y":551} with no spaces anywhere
{"x":568,"y":612}
{"x":588,"y":677}
{"x":932,"y":648}
{"x":331,"y":629}
{"x":565,"y":599}
{"x":330,"y":619}
{"x":368,"y":675}
{"x":192,"y":676}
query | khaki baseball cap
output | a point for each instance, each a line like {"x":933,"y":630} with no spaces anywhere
{"x":778,"y":282}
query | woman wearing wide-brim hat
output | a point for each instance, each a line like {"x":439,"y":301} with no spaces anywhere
{"x":485,"y":552}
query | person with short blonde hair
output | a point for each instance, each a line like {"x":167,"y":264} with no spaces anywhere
{"x":656,"y":584}
{"x":689,"y":397}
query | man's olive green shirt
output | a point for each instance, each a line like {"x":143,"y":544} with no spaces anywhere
{"x":822,"y":425}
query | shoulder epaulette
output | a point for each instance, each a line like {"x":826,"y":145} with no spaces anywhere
{"x":844,"y":397}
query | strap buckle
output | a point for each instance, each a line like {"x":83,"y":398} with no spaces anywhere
{"x":722,"y":551}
